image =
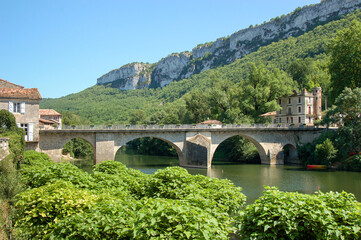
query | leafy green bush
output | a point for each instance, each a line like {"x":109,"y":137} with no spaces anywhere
{"x":32,"y":157}
{"x":10,"y":183}
{"x":39,"y":209}
{"x":292,"y":215}
{"x":325,"y":153}
{"x":145,"y":219}
{"x":42,"y":173}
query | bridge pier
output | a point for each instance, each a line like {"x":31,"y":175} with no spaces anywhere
{"x":104,"y":147}
{"x":196,"y":150}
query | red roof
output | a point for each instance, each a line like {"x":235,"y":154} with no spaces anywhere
{"x":6,"y":83}
{"x":211,"y":122}
{"x":21,"y":93}
{"x":269,"y":114}
{"x":48,"y":112}
{"x":47,"y":121}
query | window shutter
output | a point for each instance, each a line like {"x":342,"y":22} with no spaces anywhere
{"x":11,"y":106}
{"x":22,"y":107}
{"x":30,"y":132}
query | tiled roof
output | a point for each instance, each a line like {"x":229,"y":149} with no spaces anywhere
{"x":269,"y":114}
{"x":20,"y":93}
{"x":211,"y":122}
{"x":47,"y":121}
{"x":4,"y":83}
{"x":48,"y":112}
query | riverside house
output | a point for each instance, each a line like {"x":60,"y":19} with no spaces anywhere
{"x":23,"y":103}
{"x":298,"y":108}
{"x":49,"y":119}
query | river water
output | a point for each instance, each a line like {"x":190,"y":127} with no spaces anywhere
{"x":252,"y":178}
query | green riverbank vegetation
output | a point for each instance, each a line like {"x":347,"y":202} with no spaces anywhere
{"x":41,"y":199}
{"x":60,"y":201}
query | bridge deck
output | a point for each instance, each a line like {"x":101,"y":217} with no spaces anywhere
{"x":184,"y":128}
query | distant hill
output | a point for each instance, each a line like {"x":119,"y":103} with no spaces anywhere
{"x":223,"y":51}
{"x":102,"y":104}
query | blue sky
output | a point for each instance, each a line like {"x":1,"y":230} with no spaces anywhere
{"x":62,"y":47}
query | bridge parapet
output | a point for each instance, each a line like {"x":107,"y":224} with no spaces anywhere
{"x":186,"y":126}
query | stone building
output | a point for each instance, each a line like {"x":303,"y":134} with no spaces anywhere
{"x":49,"y":119}
{"x":298,"y":108}
{"x":23,"y":103}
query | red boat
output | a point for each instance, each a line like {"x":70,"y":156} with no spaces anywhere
{"x":314,"y":167}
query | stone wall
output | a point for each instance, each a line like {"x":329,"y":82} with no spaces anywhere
{"x":4,"y":148}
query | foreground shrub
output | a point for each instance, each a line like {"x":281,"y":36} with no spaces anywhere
{"x":40,"y":173}
{"x":201,"y":191}
{"x":110,"y":174}
{"x":32,"y":157}
{"x":290,"y":215}
{"x":39,"y":209}
{"x":145,"y":219}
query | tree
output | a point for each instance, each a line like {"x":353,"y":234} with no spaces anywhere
{"x":138,"y":116}
{"x":198,"y":106}
{"x":346,"y":114}
{"x":345,"y":62}
{"x":259,"y":92}
{"x":325,"y":152}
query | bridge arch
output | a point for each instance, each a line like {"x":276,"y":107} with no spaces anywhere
{"x":128,"y":139}
{"x":87,"y":142}
{"x":290,"y":154}
{"x":217,"y":140}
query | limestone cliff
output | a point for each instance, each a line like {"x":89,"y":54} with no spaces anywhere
{"x":226,"y":50}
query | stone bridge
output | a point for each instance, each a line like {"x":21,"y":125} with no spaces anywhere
{"x":195,"y":144}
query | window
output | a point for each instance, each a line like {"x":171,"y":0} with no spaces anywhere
{"x":299,"y":119}
{"x":279,"y":101}
{"x":287,"y":119}
{"x":28,"y":128}
{"x":289,"y":101}
{"x":289,"y":111}
{"x":280,"y":120}
{"x":291,"y":119}
{"x":309,"y":110}
{"x":16,"y":107}
{"x":299,"y":100}
{"x":299,"y":109}
{"x":24,"y":126}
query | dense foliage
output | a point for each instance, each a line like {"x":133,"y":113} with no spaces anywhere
{"x":122,"y":203}
{"x":339,"y":147}
{"x":292,"y":215}
{"x":10,"y":183}
{"x":115,"y":202}
{"x":345,"y":62}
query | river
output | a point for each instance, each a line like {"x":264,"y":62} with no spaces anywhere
{"x":252,"y":177}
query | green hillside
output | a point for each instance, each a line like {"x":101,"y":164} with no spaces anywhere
{"x":226,"y":93}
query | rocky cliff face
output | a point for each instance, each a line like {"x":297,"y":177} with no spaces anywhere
{"x":226,"y":50}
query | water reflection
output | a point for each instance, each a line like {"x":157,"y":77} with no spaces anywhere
{"x":252,"y":178}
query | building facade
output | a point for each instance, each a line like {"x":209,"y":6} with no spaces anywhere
{"x":300,"y":108}
{"x":49,"y":119}
{"x":23,"y":103}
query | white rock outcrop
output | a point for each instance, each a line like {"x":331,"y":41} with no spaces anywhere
{"x":226,"y":50}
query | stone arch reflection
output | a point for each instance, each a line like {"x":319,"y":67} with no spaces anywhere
{"x":290,"y":155}
{"x":80,"y":152}
{"x":139,"y":150}
{"x":238,"y":148}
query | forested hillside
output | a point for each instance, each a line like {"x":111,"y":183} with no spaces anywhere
{"x":238,"y":92}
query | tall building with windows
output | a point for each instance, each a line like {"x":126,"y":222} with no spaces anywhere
{"x":304,"y":107}
{"x":23,"y":103}
{"x":298,"y":108}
